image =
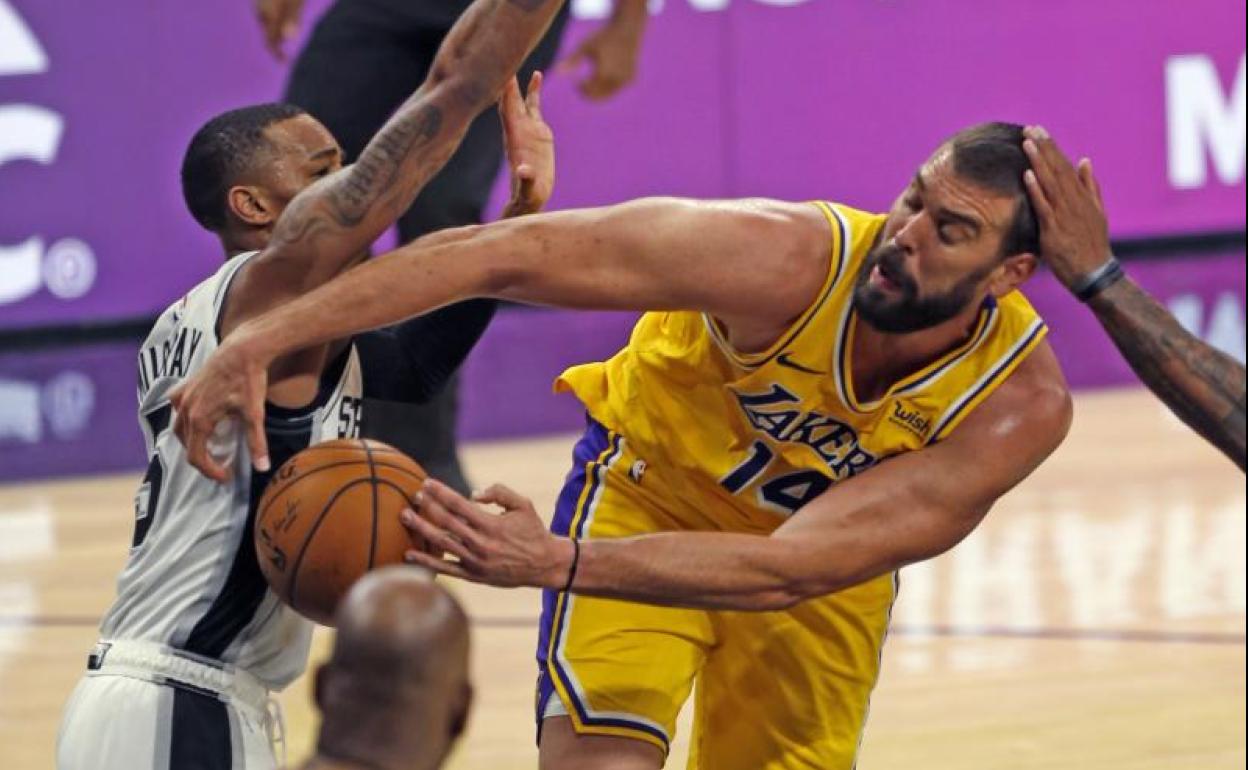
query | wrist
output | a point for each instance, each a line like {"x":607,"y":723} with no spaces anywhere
{"x":1110,"y":296}
{"x":515,"y":208}
{"x":254,"y":343}
{"x":1090,"y":284}
{"x":564,"y":558}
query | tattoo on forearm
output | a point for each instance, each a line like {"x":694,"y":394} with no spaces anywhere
{"x":381,"y":162}
{"x":1203,"y":386}
{"x":481,"y":52}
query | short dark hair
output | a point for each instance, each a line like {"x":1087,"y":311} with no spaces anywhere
{"x":991,"y":156}
{"x":221,"y":151}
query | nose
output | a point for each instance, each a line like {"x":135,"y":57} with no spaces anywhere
{"x":907,"y":237}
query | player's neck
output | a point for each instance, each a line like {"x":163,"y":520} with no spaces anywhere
{"x":880,"y":359}
{"x":239,"y":242}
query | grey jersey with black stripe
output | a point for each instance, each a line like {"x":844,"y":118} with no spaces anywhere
{"x":191,"y":580}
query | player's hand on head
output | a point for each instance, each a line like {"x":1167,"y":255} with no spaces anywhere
{"x":230,"y":386}
{"x":1074,"y":232}
{"x":511,"y":548}
{"x":279,"y":21}
{"x":530,"y":146}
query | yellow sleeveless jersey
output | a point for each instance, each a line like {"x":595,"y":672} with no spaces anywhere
{"x":741,"y":441}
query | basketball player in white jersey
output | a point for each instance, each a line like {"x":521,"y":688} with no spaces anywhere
{"x":194,"y":641}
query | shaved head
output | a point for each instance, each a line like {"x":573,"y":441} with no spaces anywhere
{"x":395,"y":692}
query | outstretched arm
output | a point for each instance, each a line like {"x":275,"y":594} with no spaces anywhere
{"x":909,"y":508}
{"x":1200,"y":384}
{"x":719,"y":257}
{"x":651,"y":254}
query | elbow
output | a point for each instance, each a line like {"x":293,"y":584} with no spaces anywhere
{"x":515,"y":262}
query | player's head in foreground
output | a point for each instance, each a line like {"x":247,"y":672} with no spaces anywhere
{"x":395,"y":693}
{"x":964,"y":229}
{"x":243,"y":167}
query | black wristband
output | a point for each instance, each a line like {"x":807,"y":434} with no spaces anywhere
{"x":1098,"y":280}
{"x":576,"y":559}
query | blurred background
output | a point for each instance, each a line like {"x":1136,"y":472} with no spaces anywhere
{"x":834,"y":99}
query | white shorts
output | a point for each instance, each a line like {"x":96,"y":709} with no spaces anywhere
{"x":142,"y":706}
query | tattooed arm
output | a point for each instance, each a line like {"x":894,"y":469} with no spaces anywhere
{"x":328,"y":226}
{"x":1201,"y":385}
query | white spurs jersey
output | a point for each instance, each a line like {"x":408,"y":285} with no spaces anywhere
{"x":191,"y":581}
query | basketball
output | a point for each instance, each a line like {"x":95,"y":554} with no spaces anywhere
{"x":330,"y":514}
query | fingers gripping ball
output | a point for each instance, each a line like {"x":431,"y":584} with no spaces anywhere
{"x":330,"y":514}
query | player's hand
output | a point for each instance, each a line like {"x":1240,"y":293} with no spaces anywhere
{"x":231,"y":385}
{"x":279,"y":20}
{"x":1074,"y":233}
{"x":612,"y":52}
{"x":507,"y":549}
{"x":530,"y":146}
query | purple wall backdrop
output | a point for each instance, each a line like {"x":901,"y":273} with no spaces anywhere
{"x":73,"y":412}
{"x":789,"y":98}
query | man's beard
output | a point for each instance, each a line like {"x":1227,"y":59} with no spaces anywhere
{"x":907,"y":312}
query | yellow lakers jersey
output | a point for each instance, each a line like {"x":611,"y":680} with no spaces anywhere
{"x":747,"y":439}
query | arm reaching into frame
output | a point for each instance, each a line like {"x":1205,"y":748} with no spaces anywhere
{"x":661,"y":253}
{"x":329,"y":225}
{"x":1203,"y":386}
{"x":912,"y":507}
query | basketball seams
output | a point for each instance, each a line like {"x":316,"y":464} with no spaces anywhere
{"x":272,"y":495}
{"x":372,"y":480}
{"x":386,"y":467}
{"x":411,"y":503}
{"x":307,"y":538}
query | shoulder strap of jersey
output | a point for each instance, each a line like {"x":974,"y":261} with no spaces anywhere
{"x":1018,"y":332}
{"x":838,"y":259}
{"x":225,"y":277}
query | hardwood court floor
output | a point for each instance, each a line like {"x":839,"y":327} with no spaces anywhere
{"x":1096,"y":620}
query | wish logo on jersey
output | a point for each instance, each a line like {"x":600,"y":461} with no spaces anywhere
{"x":776,"y":413}
{"x":912,"y":419}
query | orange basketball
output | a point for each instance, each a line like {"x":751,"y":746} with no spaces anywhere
{"x":330,"y":514}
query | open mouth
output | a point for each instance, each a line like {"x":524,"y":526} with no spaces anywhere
{"x":881,"y":279}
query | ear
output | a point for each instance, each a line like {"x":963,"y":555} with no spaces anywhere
{"x":1012,"y":273}
{"x":251,"y":206}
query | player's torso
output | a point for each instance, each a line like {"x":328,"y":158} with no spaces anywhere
{"x":746,"y":440}
{"x":191,"y":580}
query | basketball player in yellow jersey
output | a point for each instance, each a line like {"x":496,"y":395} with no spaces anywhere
{"x":820,"y":397}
